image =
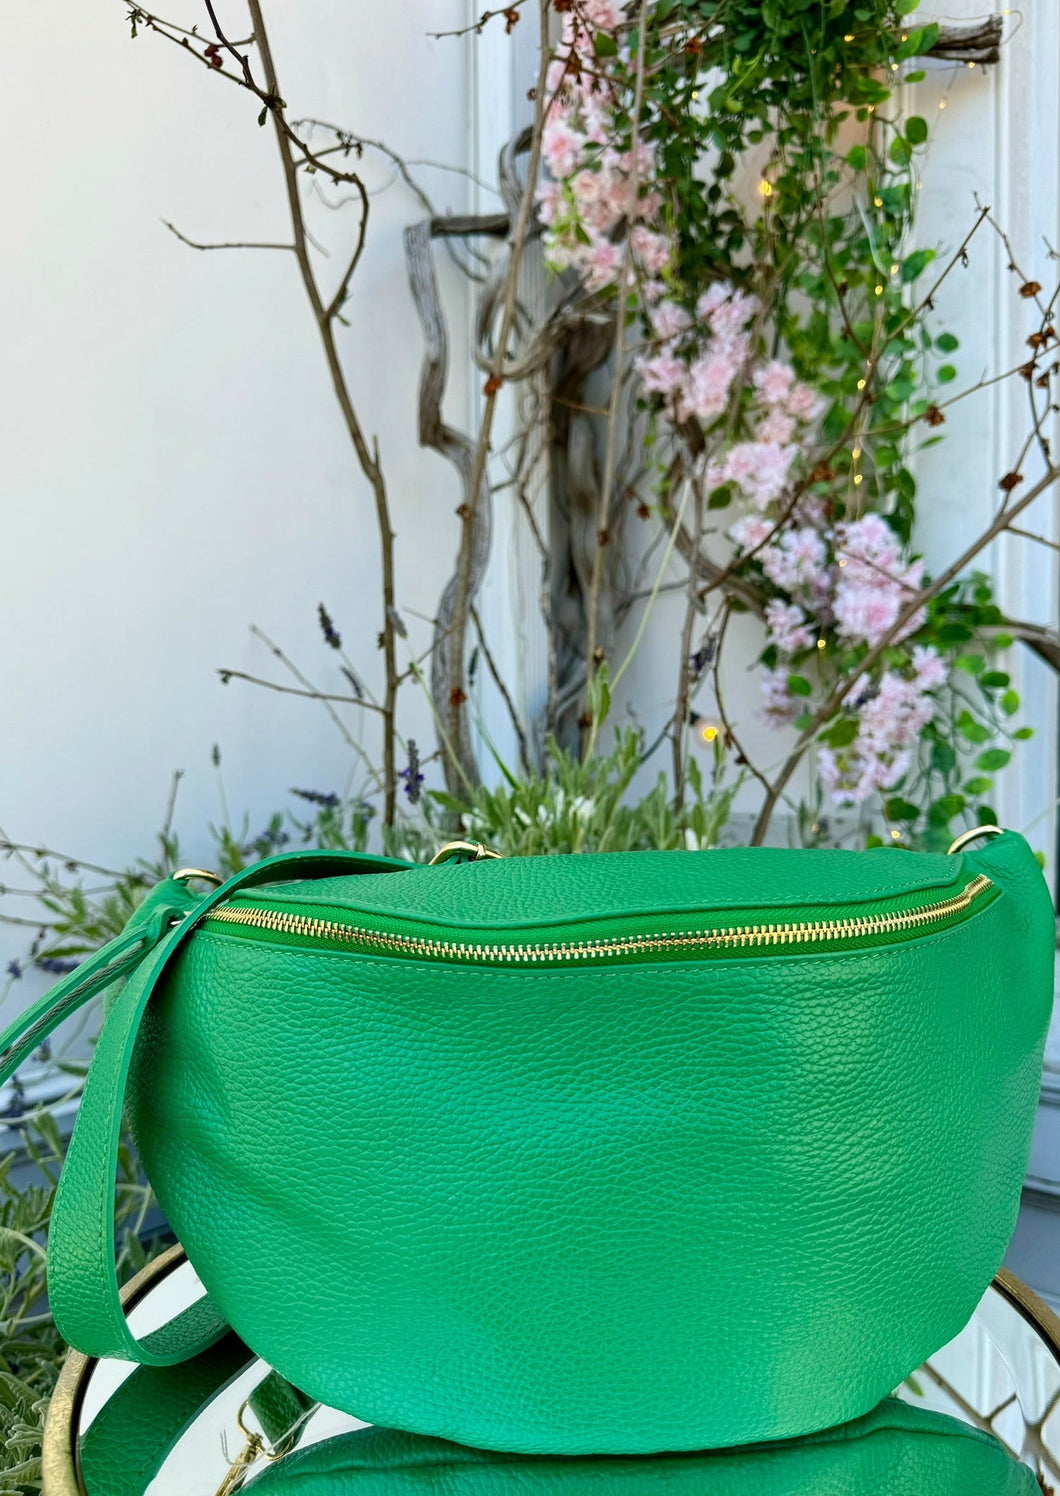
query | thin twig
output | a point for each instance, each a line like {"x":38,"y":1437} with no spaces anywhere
{"x":227,"y":244}
{"x":506,"y":695}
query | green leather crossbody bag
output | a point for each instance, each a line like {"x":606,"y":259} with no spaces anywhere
{"x":585,"y":1154}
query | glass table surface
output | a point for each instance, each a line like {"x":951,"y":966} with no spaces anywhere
{"x":1001,"y":1375}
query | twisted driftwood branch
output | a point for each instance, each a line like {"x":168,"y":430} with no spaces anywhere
{"x":978,"y":42}
{"x":459,"y":449}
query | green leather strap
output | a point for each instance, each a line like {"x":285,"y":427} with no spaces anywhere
{"x":128,"y":1441}
{"x":133,"y":1434}
{"x":167,"y":902}
{"x":82,"y":1282}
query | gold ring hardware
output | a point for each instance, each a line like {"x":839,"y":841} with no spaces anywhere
{"x":473,"y":851}
{"x":970,"y":836}
{"x":185,"y":873}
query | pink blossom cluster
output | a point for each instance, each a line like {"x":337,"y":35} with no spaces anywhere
{"x":595,"y":193}
{"x":891,"y":716}
{"x":874,"y":585}
{"x":853,"y":580}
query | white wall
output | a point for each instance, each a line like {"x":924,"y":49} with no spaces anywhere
{"x":174,"y":466}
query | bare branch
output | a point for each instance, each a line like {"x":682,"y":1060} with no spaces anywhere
{"x":228,"y":244}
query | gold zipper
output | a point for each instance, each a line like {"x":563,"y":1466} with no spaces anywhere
{"x":608,"y":946}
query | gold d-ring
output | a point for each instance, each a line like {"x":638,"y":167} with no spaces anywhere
{"x":183,"y":874}
{"x":474,"y":851}
{"x":973,"y":835}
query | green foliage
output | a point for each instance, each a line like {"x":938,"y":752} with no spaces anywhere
{"x":31,"y":1352}
{"x":577,"y":806}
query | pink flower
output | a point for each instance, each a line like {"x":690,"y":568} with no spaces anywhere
{"x":776,"y":427}
{"x":864,"y":610}
{"x":779,"y":706}
{"x":710,"y":380}
{"x":773,"y":381}
{"x":561,"y":147}
{"x":787,"y":624}
{"x":662,"y":375}
{"x":711,"y":299}
{"x":670,"y":320}
{"x":652,"y":250}
{"x":603,"y":262}
{"x":586,"y":187}
{"x":871,"y":538}
{"x":549,"y":196}
{"x":732,"y":316}
{"x":760,"y":469}
{"x":604,"y":14}
{"x":930,"y":668}
{"x":804,"y":403}
{"x":645,"y":160}
{"x":750,"y":530}
{"x":796,"y":561}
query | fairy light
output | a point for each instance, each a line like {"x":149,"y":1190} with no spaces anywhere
{"x":861,"y":384}
{"x":896,"y":835}
{"x":842,"y":560}
{"x":878,"y":202}
{"x":858,"y":478}
{"x":942,"y":103}
{"x":765,"y":188}
{"x":850,"y":35}
{"x":894,"y":67}
{"x":822,"y":644}
{"x":695,"y":93}
{"x":709,"y":732}
{"x":856,"y":453}
{"x":971,"y":64}
{"x":879,"y":290}
{"x":894,"y":269}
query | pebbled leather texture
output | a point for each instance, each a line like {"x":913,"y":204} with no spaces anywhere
{"x":896,"y":1450}
{"x":618,"y":1209}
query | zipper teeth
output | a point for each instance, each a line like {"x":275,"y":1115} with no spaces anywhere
{"x":618,"y":945}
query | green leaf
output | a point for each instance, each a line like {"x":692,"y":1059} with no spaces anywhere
{"x":900,"y":151}
{"x":946,"y":342}
{"x":798,"y":685}
{"x":971,"y":663}
{"x":1010,"y":703}
{"x":973,"y":730}
{"x":943,"y":810}
{"x":978,"y":785}
{"x":856,"y":157}
{"x":720,"y":497}
{"x":993,"y":680}
{"x":992,"y":760}
{"x":1023,"y":733}
{"x":946,"y":373}
{"x":916,"y":130}
{"x":916,"y":77}
{"x":897,"y":809}
{"x":605,"y":44}
{"x":915,"y":264}
{"x":943,"y":758}
{"x":842,"y":733}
